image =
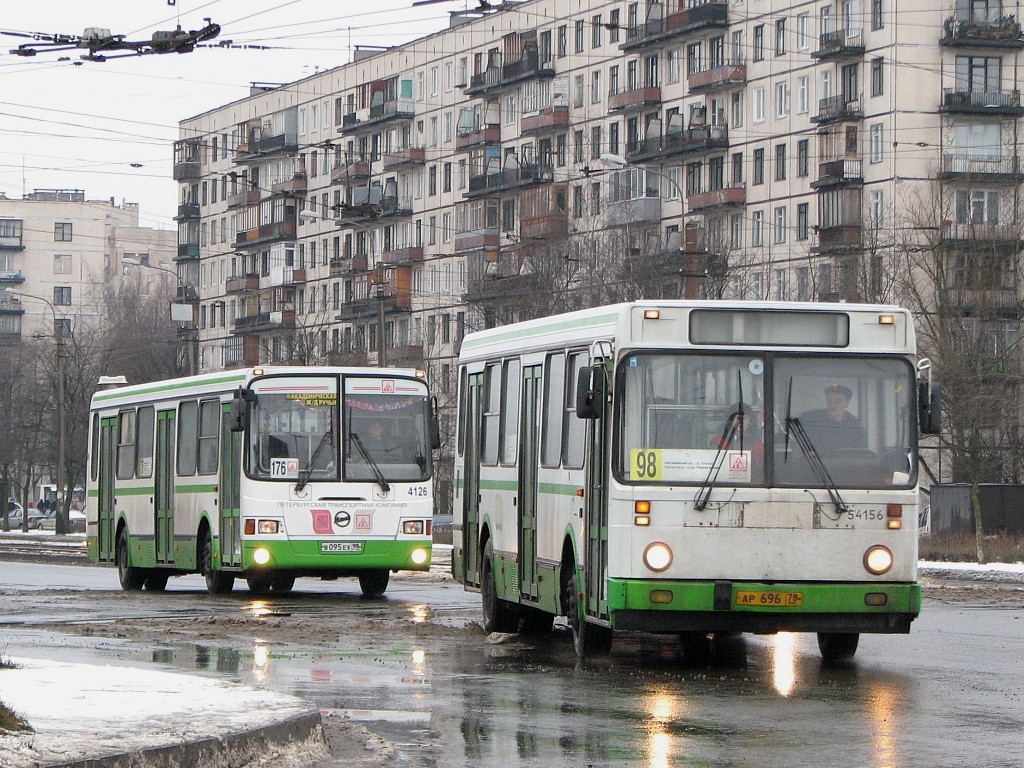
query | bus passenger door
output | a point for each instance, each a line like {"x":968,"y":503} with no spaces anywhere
{"x":597,"y":516}
{"x":105,"y":501}
{"x":527,"y":492}
{"x":163,"y":525}
{"x":230,"y":492}
{"x":471,"y":482}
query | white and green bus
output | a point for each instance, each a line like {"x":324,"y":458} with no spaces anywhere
{"x":264,"y":474}
{"x":685,"y":467}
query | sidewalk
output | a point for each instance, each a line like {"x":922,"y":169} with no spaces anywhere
{"x":121,"y":717}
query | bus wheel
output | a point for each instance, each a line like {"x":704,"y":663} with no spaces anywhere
{"x":837,"y":646}
{"x":156,"y":581}
{"x":696,"y":647}
{"x":499,"y":615}
{"x":587,"y":639}
{"x":374,"y":583}
{"x":537,"y":622}
{"x":217,"y":582}
{"x":259,"y":585}
{"x":131,"y":578}
{"x":282,"y":585}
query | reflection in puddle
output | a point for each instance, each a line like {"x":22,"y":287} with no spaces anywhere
{"x":259,"y":609}
{"x":662,"y":709}
{"x":882,"y":711}
{"x":783,"y":647}
{"x":260,"y":663}
{"x":420,"y":613}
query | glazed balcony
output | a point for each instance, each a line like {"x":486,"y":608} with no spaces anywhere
{"x":991,"y":102}
{"x":395,"y":207}
{"x":549,"y":226}
{"x":186,"y":294}
{"x":835,"y":108}
{"x":285,"y":276}
{"x":629,"y":99}
{"x":242,"y":283}
{"x":688,"y":141}
{"x":187,"y":155}
{"x":675,"y":26}
{"x":11,"y":278}
{"x":839,"y":172}
{"x":12,"y":242}
{"x":264,"y":321}
{"x":842,"y":237}
{"x":840,"y":44}
{"x":734,"y":195}
{"x":964,"y":31}
{"x":484,"y":134}
{"x":350,"y":170}
{"x":509,"y":179}
{"x":265,"y":233}
{"x":500,"y":78}
{"x":405,"y":158}
{"x":296,"y":185}
{"x":981,"y":167}
{"x":188,"y":251}
{"x":410,"y":254}
{"x":378,"y":115}
{"x":637,"y":210}
{"x":187,"y":211}
{"x":716,"y":78}
{"x":547,"y":120}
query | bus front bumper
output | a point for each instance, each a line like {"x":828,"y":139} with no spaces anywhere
{"x":331,"y":557}
{"x":736,"y":606}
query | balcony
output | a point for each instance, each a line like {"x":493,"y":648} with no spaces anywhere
{"x":636,"y":98}
{"x":839,"y":172}
{"x":264,"y":321}
{"x":12,"y":242}
{"x":410,"y":355}
{"x":187,"y":155}
{"x":547,"y":120}
{"x":286,"y":276}
{"x":496,"y":79}
{"x":346,"y":265}
{"x":696,"y":18}
{"x":187,"y":212}
{"x":242,"y":283}
{"x":716,"y":78}
{"x":349,"y":171}
{"x":982,"y":301}
{"x":733,"y":195}
{"x":994,"y":102}
{"x":377,"y":115}
{"x":264,"y":144}
{"x":186,"y":294}
{"x":840,"y":44}
{"x":836,"y":108}
{"x":395,"y":207}
{"x":363,"y":308}
{"x":981,"y":167}
{"x":264,"y":233}
{"x":405,"y":158}
{"x":484,"y":134}
{"x":296,"y":185}
{"x":485,"y":239}
{"x":842,"y":237}
{"x":497,"y":274}
{"x":954,"y":232}
{"x":243,"y":198}
{"x":963,"y":31}
{"x":408,"y":255}
{"x":549,"y":226}
{"x":11,"y":278}
{"x":509,"y":179}
{"x":638,"y":210}
{"x":687,"y":141}
{"x":188,"y":251}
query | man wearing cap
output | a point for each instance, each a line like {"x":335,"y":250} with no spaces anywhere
{"x":834,"y":428}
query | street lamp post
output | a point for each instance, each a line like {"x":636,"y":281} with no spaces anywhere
{"x":61,"y":523}
{"x":620,"y":162}
{"x":191,"y":342}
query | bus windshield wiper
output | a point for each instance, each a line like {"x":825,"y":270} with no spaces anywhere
{"x":306,"y":471}
{"x":728,"y":432}
{"x":803,"y":440}
{"x":381,"y":480}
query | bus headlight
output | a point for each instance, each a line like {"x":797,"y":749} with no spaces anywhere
{"x":878,"y":560}
{"x":261,"y":556}
{"x":412,"y":527}
{"x":269,"y":526}
{"x":419,"y":556}
{"x":657,"y":556}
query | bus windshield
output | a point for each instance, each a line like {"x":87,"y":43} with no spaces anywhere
{"x":752,"y":419}
{"x":386,"y":435}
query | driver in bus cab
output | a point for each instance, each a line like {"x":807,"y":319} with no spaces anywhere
{"x":834,"y":428}
{"x":375,"y":437}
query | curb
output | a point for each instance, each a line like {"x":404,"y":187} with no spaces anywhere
{"x":229,"y":750}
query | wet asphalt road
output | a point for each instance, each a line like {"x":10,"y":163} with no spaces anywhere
{"x":948,"y":694}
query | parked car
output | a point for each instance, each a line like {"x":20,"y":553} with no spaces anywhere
{"x":76,"y":522}
{"x":15,"y":516}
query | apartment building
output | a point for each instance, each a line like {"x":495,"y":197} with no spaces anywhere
{"x":58,"y":251}
{"x":774,"y":149}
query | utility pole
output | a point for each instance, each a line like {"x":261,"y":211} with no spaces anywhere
{"x":380,"y":282}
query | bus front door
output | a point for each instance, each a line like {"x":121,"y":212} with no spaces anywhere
{"x":105,"y":543}
{"x":527,"y":492}
{"x":471,"y":483}
{"x":597,"y":516}
{"x":163,"y":508}
{"x":230,"y":493}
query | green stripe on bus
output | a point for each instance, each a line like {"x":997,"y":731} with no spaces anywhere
{"x":470,"y":342}
{"x":112,"y":395}
{"x":143,"y":490}
{"x":551,"y":489}
{"x":558,"y":489}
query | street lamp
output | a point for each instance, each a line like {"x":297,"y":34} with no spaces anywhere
{"x":620,"y":162}
{"x":180,"y":312}
{"x":61,"y":523}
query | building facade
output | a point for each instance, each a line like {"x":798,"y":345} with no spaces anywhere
{"x":771,"y":149}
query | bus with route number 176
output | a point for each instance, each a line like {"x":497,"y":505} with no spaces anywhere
{"x":264,"y":474}
{"x":694,"y":468}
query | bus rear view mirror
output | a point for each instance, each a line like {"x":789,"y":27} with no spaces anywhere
{"x":929,"y":407}
{"x":238,"y":415}
{"x":434,"y":426}
{"x":590,"y":392}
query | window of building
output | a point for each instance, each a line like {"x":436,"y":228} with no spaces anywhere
{"x":672,"y":68}
{"x":877,"y":15}
{"x":780,"y":224}
{"x":977,"y":206}
{"x":803,"y":96}
{"x":613,"y":26}
{"x":758,"y":166}
{"x":758,"y":107}
{"x":596,"y":28}
{"x":876,"y":208}
{"x":803,"y":152}
{"x":62,"y":295}
{"x":62,"y":263}
{"x":595,"y":198}
{"x":780,"y":162}
{"x":579,"y":36}
{"x":803,"y":31}
{"x":595,"y":87}
{"x":577,"y":91}
{"x":780,"y":37}
{"x":781,"y":99}
{"x":803,"y":212}
{"x":757,"y":229}
{"x":736,"y":101}
{"x":62,"y":232}
{"x":736,"y":230}
{"x":759,"y":43}
{"x":737,"y":168}
{"x":877,"y":76}
{"x":595,"y":142}
{"x":876,"y":142}
{"x":563,"y":41}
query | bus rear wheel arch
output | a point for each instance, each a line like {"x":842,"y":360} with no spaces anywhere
{"x":132,"y":579}
{"x":588,"y":638}
{"x":498,"y":615}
